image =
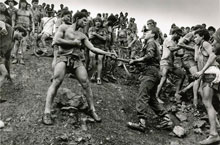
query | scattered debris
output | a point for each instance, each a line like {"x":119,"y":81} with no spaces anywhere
{"x":199,"y":124}
{"x":181,"y":116}
{"x":2,"y":124}
{"x":179,"y":131}
{"x":174,"y":143}
{"x":198,"y":131}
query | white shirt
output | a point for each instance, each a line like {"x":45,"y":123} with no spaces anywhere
{"x":49,"y":25}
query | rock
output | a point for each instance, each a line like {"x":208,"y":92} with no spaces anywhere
{"x":8,"y":119}
{"x":64,"y":137}
{"x":174,"y":143}
{"x":179,"y":131}
{"x":173,"y":109}
{"x":2,"y":124}
{"x":199,"y":124}
{"x":70,"y":100}
{"x":197,"y":131}
{"x":181,"y":116}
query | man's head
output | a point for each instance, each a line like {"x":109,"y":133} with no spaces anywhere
{"x":19,"y":33}
{"x":211,"y":30}
{"x":187,"y":30}
{"x":126,"y":14}
{"x":173,"y":25}
{"x":11,"y":3}
{"x":2,"y":7}
{"x":66,"y":16}
{"x":129,"y":31}
{"x":35,"y":3}
{"x":165,"y":35}
{"x":61,"y":6}
{"x":23,"y":4}
{"x":98,"y":21}
{"x":112,"y":20}
{"x":204,"y":25}
{"x":151,"y":24}
{"x":177,"y":33}
{"x":197,"y":27}
{"x":85,"y":12}
{"x":152,"y":33}
{"x":216,"y":43}
{"x":80,"y":19}
{"x":201,"y":35}
{"x":52,"y":6}
{"x":99,"y":15}
{"x":43,"y":5}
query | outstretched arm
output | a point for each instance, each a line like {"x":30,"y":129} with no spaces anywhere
{"x":89,"y":45}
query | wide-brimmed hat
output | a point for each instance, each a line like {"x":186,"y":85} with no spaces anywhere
{"x":23,"y":1}
{"x":35,"y":1}
{"x":7,"y":2}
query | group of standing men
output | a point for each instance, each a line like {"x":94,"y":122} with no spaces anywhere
{"x":76,"y":41}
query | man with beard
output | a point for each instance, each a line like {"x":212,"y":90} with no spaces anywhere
{"x":69,"y":58}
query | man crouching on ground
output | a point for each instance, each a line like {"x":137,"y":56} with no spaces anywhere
{"x":69,"y":56}
{"x":148,"y":64}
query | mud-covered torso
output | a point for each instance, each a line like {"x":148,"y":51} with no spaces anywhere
{"x":23,"y":17}
{"x":75,"y":50}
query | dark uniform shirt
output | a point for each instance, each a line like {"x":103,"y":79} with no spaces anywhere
{"x":151,"y":53}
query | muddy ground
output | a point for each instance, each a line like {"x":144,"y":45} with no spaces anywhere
{"x":115,"y":103}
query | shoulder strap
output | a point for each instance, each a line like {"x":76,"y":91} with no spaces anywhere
{"x":47,"y":21}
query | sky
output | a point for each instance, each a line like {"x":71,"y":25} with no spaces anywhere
{"x":164,"y":12}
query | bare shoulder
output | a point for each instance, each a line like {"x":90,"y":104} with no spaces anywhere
{"x":63,"y":27}
{"x":206,"y":44}
{"x":82,"y":36}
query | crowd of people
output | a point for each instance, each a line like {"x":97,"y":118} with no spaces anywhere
{"x":80,"y":44}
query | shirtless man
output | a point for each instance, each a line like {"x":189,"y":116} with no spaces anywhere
{"x":167,"y":61}
{"x":6,"y":38}
{"x":23,"y":17}
{"x":205,"y":58}
{"x":69,"y":59}
{"x":188,"y":60}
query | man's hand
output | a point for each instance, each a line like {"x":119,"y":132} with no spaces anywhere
{"x":112,"y":55}
{"x":77,"y":42}
{"x":132,"y":61}
{"x":3,"y":32}
{"x":198,"y":74}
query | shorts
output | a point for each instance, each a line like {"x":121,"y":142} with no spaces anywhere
{"x":72,"y":62}
{"x":207,"y":80}
{"x":166,"y":64}
{"x":188,"y":62}
{"x":26,"y":27}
